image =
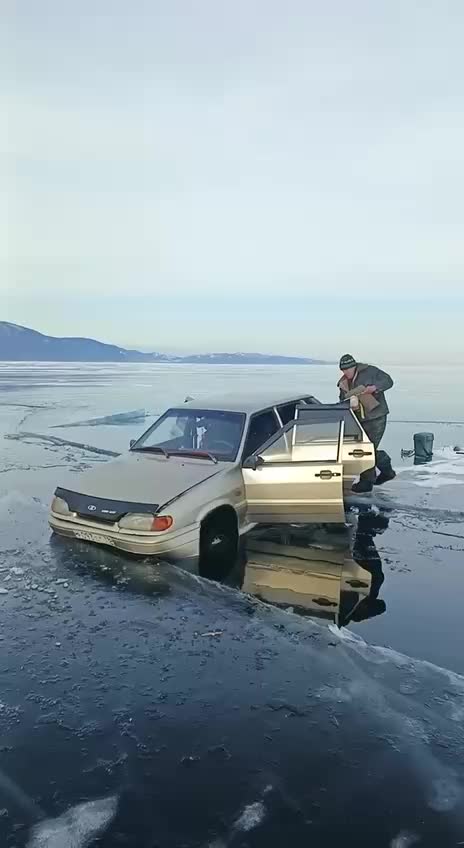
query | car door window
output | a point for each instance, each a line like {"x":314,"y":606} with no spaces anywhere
{"x":287,"y":412}
{"x":313,"y":431}
{"x":316,"y":442}
{"x":303,"y":441}
{"x":333,"y":412}
{"x":279,"y":450}
{"x":262,"y":427}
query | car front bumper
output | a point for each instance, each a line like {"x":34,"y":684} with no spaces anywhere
{"x":175,"y":546}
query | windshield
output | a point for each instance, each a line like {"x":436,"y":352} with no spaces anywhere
{"x":196,"y":431}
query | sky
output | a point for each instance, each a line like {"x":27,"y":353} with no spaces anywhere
{"x":257,"y":175}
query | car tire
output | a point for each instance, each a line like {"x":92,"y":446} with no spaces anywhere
{"x":218,"y":546}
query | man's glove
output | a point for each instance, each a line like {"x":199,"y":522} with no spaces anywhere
{"x":359,"y":390}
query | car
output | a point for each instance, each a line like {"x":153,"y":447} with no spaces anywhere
{"x":206,"y":472}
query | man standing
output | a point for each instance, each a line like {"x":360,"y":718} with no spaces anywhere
{"x":365,"y":385}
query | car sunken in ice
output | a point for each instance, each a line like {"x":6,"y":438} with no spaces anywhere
{"x":205,"y":473}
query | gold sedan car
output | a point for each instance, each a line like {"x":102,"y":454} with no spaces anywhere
{"x":205,"y":473}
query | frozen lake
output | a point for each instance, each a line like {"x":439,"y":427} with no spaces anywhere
{"x":182,"y":713}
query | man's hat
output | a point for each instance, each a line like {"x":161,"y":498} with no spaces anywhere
{"x":347,"y":361}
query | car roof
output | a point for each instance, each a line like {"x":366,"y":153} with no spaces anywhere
{"x":243,"y":402}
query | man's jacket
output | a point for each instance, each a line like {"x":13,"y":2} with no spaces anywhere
{"x":373,"y":406}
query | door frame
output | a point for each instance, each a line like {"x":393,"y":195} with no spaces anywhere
{"x":291,"y":425}
{"x":358,"y":455}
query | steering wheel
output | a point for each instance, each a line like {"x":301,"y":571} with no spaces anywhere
{"x":219,"y":446}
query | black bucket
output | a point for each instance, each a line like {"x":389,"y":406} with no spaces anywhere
{"x":423,"y":448}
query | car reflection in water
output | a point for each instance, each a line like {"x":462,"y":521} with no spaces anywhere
{"x":318,"y":571}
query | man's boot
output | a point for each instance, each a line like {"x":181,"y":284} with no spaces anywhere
{"x":363,"y":487}
{"x":366,"y":483}
{"x":385,"y":467}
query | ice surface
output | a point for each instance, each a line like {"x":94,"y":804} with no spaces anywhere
{"x":76,"y":828}
{"x":116,"y":418}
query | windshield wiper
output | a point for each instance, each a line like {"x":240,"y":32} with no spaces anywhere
{"x":202,"y":454}
{"x":153,"y":449}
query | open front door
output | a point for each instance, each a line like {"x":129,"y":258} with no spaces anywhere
{"x":358,"y":452}
{"x":297,"y":476}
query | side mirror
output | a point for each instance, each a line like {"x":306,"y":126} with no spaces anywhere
{"x":132,"y":443}
{"x":253,"y":462}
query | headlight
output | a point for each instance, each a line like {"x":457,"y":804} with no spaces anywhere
{"x":134,"y":521}
{"x":60,"y":506}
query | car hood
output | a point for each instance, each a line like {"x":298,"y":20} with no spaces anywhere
{"x":135,"y":479}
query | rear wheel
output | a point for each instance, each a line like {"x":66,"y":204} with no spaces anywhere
{"x":218,"y":545}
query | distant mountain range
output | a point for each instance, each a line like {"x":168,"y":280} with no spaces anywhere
{"x":26,"y":345}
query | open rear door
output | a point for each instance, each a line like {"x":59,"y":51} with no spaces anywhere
{"x":358,"y":452}
{"x":297,"y":476}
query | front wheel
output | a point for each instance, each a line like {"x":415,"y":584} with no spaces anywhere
{"x":218,"y":546}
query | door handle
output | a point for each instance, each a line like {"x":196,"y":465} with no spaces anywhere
{"x":327,"y":475}
{"x":358,"y":453}
{"x":324,"y":602}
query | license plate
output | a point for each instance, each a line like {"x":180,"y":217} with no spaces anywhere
{"x":93,"y":537}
